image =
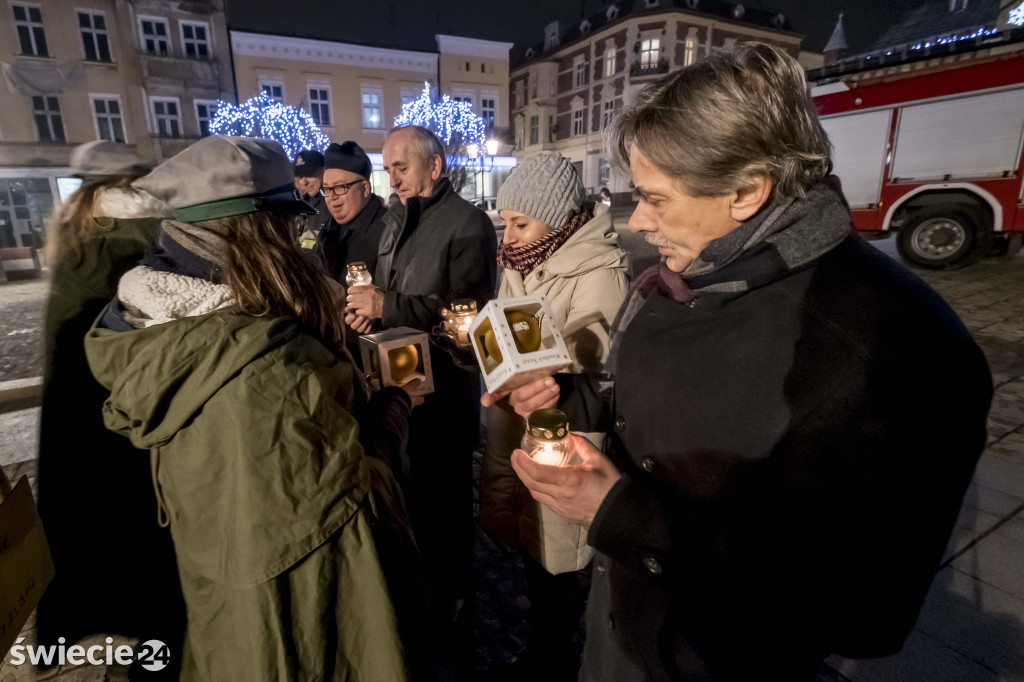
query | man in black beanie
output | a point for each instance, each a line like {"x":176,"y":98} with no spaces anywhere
{"x":309,"y":175}
{"x":356,"y":213}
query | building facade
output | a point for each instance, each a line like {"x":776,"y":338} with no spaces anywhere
{"x":565,"y":91}
{"x":354,"y":92}
{"x":145,"y":73}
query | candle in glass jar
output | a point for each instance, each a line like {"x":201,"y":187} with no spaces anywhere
{"x":462,"y":317}
{"x":547,"y":439}
{"x":357,"y":275}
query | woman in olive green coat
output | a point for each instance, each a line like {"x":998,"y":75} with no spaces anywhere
{"x":93,"y":487}
{"x":225,"y":360}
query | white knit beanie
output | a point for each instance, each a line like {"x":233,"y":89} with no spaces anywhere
{"x":545,"y":187}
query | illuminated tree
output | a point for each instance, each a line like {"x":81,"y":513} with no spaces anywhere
{"x":263,"y":116}
{"x":462,"y":132}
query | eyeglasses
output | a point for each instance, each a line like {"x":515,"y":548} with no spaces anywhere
{"x":339,"y":190}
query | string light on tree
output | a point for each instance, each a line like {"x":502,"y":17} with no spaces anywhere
{"x":1017,"y":15}
{"x":452,"y":120}
{"x":265,"y":117}
{"x":461,"y":131}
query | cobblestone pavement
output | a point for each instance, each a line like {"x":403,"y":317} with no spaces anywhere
{"x":21,"y":329}
{"x":972,"y":626}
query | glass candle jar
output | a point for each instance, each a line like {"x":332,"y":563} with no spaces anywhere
{"x":462,"y":316}
{"x":357,"y":275}
{"x":547,"y":439}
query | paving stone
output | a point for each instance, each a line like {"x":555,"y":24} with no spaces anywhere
{"x":18,"y":436}
{"x":990,"y":500}
{"x":997,"y":560}
{"x":923,"y":659}
{"x":1000,"y":473}
{"x":978,"y":620}
{"x":1010,"y":446}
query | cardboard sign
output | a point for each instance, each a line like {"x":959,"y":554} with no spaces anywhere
{"x":26,"y":567}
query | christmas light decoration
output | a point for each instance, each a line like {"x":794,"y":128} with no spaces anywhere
{"x":263,"y":116}
{"x":452,"y":120}
{"x":1017,"y":15}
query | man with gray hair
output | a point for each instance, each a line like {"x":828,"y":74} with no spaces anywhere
{"x":435,"y":247}
{"x":792,"y":417}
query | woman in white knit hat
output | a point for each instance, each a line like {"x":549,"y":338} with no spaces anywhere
{"x":558,"y":245}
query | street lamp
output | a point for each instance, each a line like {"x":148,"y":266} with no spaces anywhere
{"x":492,"y":147}
{"x":472,"y":150}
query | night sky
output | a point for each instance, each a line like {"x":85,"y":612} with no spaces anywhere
{"x":411,"y":24}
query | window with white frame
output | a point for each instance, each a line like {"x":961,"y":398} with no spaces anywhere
{"x":577,"y":123}
{"x":93,"y":26}
{"x":604,"y":171}
{"x":46,"y":112}
{"x":373,"y":116}
{"x":166,"y":116}
{"x":155,"y":35}
{"x":607,"y":113}
{"x":106,"y":111}
{"x":28,"y":20}
{"x":320,"y":103}
{"x":609,"y":61}
{"x":488,"y":111}
{"x":534,"y":129}
{"x":467,"y":100}
{"x":534,"y":82}
{"x":195,"y":39}
{"x":690,"y":47}
{"x":206,"y":111}
{"x":650,"y":49}
{"x":519,"y":94}
{"x":410,"y":95}
{"x":579,"y":72}
{"x":273,"y":86}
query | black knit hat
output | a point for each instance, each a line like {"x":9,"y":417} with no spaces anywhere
{"x":348,"y":156}
{"x":308,"y":162}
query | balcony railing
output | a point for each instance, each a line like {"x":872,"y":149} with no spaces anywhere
{"x":642,"y":70}
{"x":192,"y":72}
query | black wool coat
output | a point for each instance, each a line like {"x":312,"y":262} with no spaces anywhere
{"x":434,"y":249}
{"x":793,"y":457}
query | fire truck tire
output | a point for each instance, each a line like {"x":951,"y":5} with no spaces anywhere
{"x":944,"y":237}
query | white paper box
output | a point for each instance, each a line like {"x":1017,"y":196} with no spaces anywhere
{"x":512,"y":365}
{"x":377,"y":348}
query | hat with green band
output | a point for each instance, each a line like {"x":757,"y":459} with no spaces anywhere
{"x":221,"y":176}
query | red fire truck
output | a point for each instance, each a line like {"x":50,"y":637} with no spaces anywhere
{"x":933,"y":155}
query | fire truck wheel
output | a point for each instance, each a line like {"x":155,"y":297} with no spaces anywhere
{"x":943,"y":237}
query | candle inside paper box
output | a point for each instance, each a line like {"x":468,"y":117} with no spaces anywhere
{"x":516,"y":340}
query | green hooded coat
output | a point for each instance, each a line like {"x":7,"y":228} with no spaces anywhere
{"x":90,"y":478}
{"x":267,"y":493}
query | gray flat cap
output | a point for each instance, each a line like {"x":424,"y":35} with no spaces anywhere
{"x":102,"y":159}
{"x":221,"y":176}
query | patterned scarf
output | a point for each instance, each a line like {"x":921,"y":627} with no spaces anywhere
{"x":523,"y":259}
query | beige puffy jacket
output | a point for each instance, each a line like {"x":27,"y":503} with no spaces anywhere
{"x":584,"y":282}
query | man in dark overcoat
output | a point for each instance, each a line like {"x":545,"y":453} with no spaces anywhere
{"x":792,"y":418}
